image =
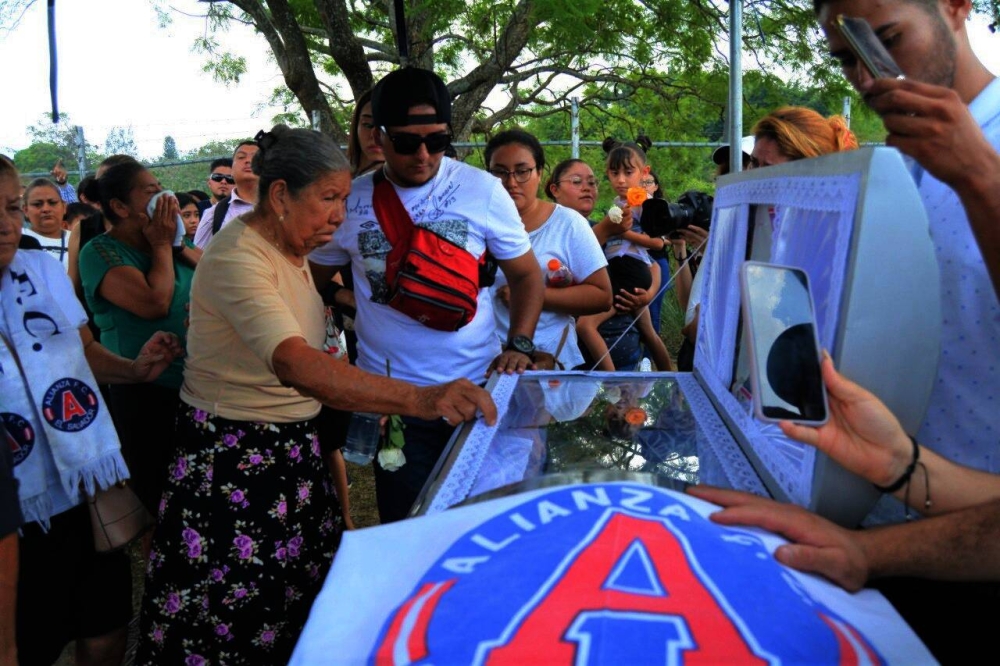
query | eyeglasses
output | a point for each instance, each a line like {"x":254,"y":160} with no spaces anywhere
{"x":221,"y":177}
{"x":520,"y":175}
{"x":406,"y":143}
{"x":647,"y":183}
{"x":577,"y":181}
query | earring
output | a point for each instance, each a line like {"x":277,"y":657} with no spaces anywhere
{"x":281,"y":219}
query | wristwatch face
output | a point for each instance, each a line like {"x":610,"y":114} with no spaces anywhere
{"x":522,"y":344}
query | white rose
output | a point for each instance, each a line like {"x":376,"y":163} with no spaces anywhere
{"x":615,"y":214}
{"x":391,"y":459}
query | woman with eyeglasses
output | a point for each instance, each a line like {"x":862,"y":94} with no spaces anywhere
{"x":560,"y":237}
{"x":573,"y":185}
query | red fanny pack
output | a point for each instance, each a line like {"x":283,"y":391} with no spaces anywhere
{"x":430,"y":279}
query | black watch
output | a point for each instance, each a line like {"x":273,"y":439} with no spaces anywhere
{"x":523,"y":344}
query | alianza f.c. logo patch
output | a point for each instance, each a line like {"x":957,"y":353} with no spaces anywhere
{"x":69,"y":405}
{"x":613,"y":573}
{"x":20,"y":436}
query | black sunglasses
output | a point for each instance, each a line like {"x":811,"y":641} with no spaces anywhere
{"x":220,"y":177}
{"x":406,"y":143}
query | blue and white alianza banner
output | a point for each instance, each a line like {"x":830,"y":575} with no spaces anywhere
{"x":616,"y":573}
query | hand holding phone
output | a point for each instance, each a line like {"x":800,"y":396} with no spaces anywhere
{"x":867,"y":47}
{"x":778,"y":314}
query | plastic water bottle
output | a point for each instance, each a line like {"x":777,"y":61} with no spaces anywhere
{"x":363,"y":432}
{"x":557,"y":274}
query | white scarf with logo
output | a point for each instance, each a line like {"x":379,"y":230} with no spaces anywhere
{"x":58,"y":428}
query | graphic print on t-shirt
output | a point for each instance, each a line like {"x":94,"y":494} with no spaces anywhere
{"x":374,"y":247}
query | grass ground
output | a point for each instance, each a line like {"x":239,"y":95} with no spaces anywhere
{"x":363,"y":508}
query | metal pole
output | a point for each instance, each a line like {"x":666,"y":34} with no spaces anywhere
{"x":53,"y":62}
{"x":315,"y":120}
{"x":575,"y":127}
{"x":81,"y":152}
{"x":847,"y":110}
{"x":735,"y":85}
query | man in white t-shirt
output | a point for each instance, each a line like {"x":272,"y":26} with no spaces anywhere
{"x":465,"y":205}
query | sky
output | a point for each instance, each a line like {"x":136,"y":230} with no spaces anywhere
{"x":118,"y":67}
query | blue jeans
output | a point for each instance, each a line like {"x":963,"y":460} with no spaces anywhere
{"x":657,"y":303}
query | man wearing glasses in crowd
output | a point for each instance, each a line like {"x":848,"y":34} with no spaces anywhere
{"x":234,"y":192}
{"x":465,"y":205}
{"x":220,"y":179}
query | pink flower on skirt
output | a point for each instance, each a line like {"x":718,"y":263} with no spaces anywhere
{"x":173,"y":603}
{"x":244,"y":545}
{"x":180,"y":469}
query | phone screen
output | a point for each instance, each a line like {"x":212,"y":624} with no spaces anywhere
{"x":786,"y":378}
{"x":867,"y":47}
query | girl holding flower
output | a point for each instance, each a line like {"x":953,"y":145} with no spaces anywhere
{"x":628,"y":258}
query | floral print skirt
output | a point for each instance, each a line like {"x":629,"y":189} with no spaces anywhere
{"x":247,"y":530}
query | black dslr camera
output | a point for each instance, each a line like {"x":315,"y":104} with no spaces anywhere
{"x":662,"y":218}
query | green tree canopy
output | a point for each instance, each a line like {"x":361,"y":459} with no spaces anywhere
{"x":523,"y":58}
{"x":169,"y":148}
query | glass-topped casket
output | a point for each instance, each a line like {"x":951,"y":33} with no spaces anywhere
{"x":854,"y":222}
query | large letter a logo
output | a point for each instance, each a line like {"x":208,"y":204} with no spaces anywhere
{"x":629,"y":587}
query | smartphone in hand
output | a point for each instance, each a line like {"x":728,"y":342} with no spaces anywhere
{"x":778,"y":314}
{"x":867,"y":47}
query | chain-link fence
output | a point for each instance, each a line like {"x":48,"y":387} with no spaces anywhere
{"x":682,"y":165}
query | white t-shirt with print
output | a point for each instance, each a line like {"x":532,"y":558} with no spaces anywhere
{"x":471,"y":209}
{"x":565,"y":236}
{"x":57,"y":248}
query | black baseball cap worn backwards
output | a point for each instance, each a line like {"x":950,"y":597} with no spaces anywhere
{"x":393,"y":96}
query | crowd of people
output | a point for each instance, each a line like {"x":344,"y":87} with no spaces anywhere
{"x":209,"y":345}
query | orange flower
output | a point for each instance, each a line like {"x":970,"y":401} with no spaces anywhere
{"x":636,"y":415}
{"x":636,"y":196}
